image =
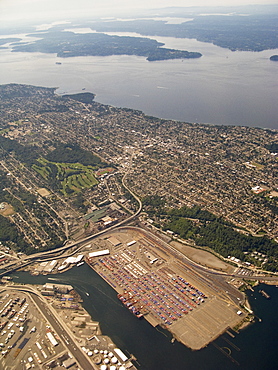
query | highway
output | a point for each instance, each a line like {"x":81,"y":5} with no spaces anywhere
{"x":184,"y":258}
{"x":58,"y":252}
{"x":48,"y":255}
{"x":79,"y":244}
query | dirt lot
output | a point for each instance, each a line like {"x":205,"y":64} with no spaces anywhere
{"x":8,"y":210}
{"x":202,"y":257}
{"x":43,"y":192}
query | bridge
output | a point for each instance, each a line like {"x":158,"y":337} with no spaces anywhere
{"x":58,"y":252}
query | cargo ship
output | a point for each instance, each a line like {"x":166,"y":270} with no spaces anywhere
{"x":128,"y":301}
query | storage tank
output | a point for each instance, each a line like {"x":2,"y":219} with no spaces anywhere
{"x":114,"y":360}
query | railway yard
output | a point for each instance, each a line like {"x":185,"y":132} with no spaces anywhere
{"x":153,"y":283}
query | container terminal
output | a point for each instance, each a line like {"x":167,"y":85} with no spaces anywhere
{"x":152,"y":283}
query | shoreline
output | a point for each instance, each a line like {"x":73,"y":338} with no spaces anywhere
{"x":77,"y":323}
{"x":139,"y":287}
{"x":155,"y":323}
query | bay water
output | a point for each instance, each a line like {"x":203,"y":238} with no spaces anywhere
{"x":153,"y":347}
{"x":222,"y":87}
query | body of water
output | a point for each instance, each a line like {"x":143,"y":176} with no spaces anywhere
{"x":221,"y":87}
{"x":152,"y":346}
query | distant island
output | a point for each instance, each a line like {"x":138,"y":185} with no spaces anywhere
{"x":245,"y":28}
{"x":163,"y":54}
{"x":249,"y":28}
{"x":274,"y":58}
{"x":8,"y":40}
{"x":69,"y":44}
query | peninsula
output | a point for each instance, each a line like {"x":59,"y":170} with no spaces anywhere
{"x":76,"y":174}
{"x":65,"y":158}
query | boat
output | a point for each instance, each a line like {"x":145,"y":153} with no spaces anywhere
{"x":264,"y":294}
{"x":87,"y":294}
{"x":80,"y":264}
{"x":128,"y":302}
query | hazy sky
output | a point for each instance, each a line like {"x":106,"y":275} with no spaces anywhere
{"x":14,"y":10}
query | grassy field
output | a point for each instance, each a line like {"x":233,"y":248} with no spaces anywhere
{"x":43,"y":170}
{"x":72,"y":177}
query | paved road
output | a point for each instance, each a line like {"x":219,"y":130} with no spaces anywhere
{"x":58,"y":327}
{"x":59,"y":251}
{"x":180,"y":255}
{"x":69,"y":343}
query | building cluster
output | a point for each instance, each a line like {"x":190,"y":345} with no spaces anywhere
{"x":220,"y":168}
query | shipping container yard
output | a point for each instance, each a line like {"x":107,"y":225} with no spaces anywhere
{"x":151,"y":283}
